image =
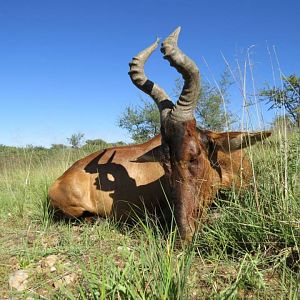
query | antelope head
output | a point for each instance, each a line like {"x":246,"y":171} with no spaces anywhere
{"x":186,"y":156}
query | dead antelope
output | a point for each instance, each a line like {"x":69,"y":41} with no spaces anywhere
{"x":184,"y":166}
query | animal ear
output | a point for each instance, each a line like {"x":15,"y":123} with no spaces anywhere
{"x":230,"y":141}
{"x":154,"y":155}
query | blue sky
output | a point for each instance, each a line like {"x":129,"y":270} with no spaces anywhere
{"x":64,"y":64}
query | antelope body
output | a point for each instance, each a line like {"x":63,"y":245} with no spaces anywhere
{"x":182,"y":169}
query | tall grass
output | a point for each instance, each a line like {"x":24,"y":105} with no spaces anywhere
{"x":250,"y":250}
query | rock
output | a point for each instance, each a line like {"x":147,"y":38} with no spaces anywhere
{"x":65,"y":280}
{"x":70,"y":278}
{"x":52,"y":269}
{"x":18,"y":280}
{"x":49,"y":261}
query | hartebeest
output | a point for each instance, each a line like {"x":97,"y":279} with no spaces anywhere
{"x":182,"y":168}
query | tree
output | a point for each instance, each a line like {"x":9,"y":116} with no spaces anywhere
{"x":143,"y":123}
{"x":76,"y":139}
{"x":101,"y":144}
{"x":96,"y":143}
{"x":288,"y":97}
{"x":211,"y":112}
{"x":57,"y":146}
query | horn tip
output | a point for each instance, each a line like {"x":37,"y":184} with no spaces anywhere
{"x":176,"y":32}
{"x":173,"y":37}
{"x":155,"y":44}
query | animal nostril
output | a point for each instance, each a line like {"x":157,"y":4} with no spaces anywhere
{"x":193,"y":160}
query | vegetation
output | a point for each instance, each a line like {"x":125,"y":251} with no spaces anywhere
{"x":247,"y":248}
{"x":98,"y":144}
{"x":142,"y":122}
{"x":211,"y":110}
{"x":58,"y":146}
{"x":76,"y":139}
{"x":282,"y":122}
{"x":287,"y":96}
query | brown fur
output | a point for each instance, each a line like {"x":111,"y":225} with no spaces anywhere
{"x":202,"y":162}
{"x":121,"y":182}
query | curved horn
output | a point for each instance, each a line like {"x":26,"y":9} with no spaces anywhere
{"x":140,"y":80}
{"x":186,"y":104}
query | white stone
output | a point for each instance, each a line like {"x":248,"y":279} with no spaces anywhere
{"x":18,"y":280}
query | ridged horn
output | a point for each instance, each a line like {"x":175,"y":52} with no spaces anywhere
{"x":186,"y":104}
{"x":140,"y":80}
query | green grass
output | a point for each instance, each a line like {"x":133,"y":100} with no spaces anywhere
{"x":251,"y":250}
